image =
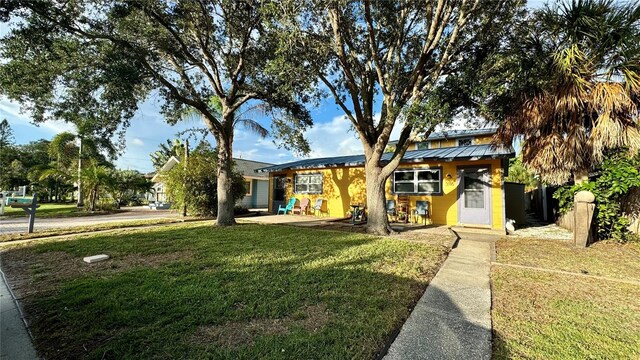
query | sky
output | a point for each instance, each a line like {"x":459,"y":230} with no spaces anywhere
{"x":331,"y":134}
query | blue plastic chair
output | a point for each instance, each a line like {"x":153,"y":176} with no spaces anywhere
{"x":289,"y":207}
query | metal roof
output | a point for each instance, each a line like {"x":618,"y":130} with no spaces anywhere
{"x":459,"y":153}
{"x":249,"y":167}
{"x":456,"y":134}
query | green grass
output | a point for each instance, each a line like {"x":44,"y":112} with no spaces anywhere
{"x":541,"y":315}
{"x":195,"y":291}
{"x":48,"y":210}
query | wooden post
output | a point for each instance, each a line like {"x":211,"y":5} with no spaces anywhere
{"x":32,"y":213}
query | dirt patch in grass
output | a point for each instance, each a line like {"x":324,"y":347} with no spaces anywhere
{"x":31,"y":273}
{"x":238,"y":334}
{"x":602,"y":258}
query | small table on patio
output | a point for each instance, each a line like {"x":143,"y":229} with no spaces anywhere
{"x":356,"y":212}
{"x":403,"y":212}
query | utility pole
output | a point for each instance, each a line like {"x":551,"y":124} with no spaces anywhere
{"x":80,"y":195}
{"x":186,"y":157}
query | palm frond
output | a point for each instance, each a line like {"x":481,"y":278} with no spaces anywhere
{"x":253,"y":126}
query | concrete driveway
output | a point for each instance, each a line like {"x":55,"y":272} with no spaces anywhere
{"x":19,"y":224}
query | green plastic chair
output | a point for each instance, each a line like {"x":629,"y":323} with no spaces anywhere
{"x":289,"y":207}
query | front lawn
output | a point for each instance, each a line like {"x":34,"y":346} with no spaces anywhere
{"x":195,"y":291}
{"x":547,"y":315}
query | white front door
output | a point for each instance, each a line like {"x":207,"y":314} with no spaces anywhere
{"x":474,"y":196}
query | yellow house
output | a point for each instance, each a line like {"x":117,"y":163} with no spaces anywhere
{"x":458,"y":173}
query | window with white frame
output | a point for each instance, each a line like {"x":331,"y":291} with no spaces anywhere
{"x":307,"y":183}
{"x":465,"y":142}
{"x":417,"y":181}
{"x":247,"y":186}
{"x":423,"y":145}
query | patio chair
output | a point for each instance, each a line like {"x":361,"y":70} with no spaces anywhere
{"x":318,"y":207}
{"x":289,"y":207}
{"x":391,"y":210}
{"x":303,"y":208}
{"x":422,"y":210}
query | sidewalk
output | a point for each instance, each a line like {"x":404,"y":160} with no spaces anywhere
{"x":452,"y":320}
{"x":15,"y":343}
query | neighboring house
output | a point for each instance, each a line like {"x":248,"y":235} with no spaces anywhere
{"x":458,"y":172}
{"x":257,"y":184}
{"x":159,"y":191}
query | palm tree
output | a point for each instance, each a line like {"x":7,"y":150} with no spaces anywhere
{"x":165,"y":152}
{"x":94,"y":178}
{"x":583,"y":98}
{"x":243,"y":117}
{"x":64,"y":150}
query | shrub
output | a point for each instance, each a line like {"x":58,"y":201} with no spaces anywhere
{"x":240,"y":210}
{"x":617,"y":176}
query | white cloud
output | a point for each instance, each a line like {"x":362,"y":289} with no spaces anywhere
{"x":137,"y":142}
{"x":10,"y":109}
{"x":246,"y":154}
{"x":56,"y":127}
{"x":266,"y":143}
{"x":333,"y":138}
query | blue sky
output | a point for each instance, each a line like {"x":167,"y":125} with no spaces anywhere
{"x":330,"y":136}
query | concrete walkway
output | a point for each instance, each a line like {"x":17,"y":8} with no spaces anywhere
{"x":15,"y":343}
{"x":452,"y":320}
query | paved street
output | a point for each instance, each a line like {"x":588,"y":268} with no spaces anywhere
{"x":19,"y":224}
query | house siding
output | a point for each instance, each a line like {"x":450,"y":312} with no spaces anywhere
{"x":343,"y":186}
{"x":259,"y":197}
{"x":437,"y":144}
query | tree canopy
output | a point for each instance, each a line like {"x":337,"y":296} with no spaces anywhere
{"x":110,"y":55}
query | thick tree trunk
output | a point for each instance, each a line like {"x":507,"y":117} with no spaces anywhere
{"x":225,"y":196}
{"x":94,"y":197}
{"x":377,"y":220}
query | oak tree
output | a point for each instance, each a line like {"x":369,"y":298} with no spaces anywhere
{"x":118,"y":52}
{"x":388,"y":64}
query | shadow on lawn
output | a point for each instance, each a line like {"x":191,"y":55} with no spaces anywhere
{"x":237,"y":276}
